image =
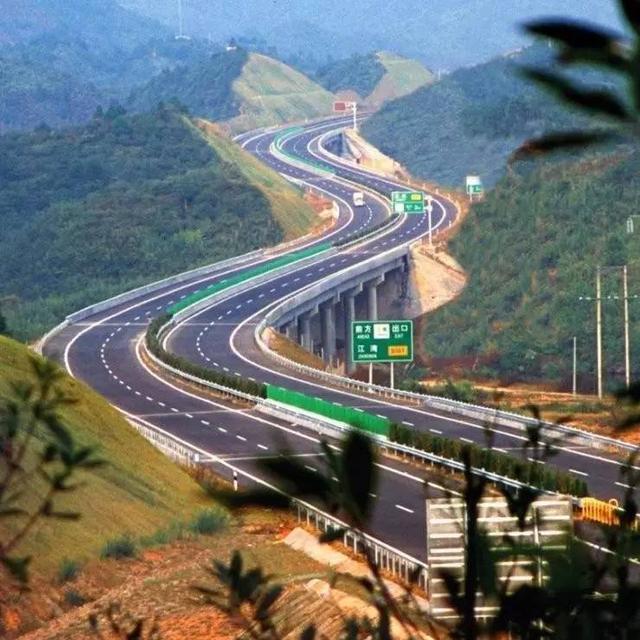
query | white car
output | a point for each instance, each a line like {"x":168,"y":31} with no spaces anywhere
{"x":358,"y":199}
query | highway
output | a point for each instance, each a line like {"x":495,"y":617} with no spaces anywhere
{"x":102,"y":351}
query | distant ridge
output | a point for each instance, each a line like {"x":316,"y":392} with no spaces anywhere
{"x":241,"y":89}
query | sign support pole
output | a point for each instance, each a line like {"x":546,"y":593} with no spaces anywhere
{"x":575,"y":365}
{"x":391,"y":382}
{"x":599,"y":331}
{"x":371,"y":373}
{"x":627,"y":363}
{"x":354,"y":106}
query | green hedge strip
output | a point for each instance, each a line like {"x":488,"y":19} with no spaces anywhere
{"x":186,"y":366}
{"x":531,"y":473}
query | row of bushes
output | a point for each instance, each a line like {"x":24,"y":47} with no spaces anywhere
{"x":186,"y":366}
{"x":365,"y":232}
{"x":531,"y":473}
{"x":462,"y":391}
{"x":204,"y":523}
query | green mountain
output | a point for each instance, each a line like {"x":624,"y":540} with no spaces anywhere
{"x":104,"y":24}
{"x":244,"y":90}
{"x":32,"y":94}
{"x":470,"y":121}
{"x":375,"y":78}
{"x":206,"y":88}
{"x":531,"y":251}
{"x":359,"y":73}
{"x":60,"y":58}
{"x":91,"y":211}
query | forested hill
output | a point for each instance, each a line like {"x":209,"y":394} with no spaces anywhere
{"x":205,"y":87}
{"x":375,"y":78}
{"x":91,"y":211}
{"x":531,"y":251}
{"x":359,"y":73}
{"x":33,"y":94}
{"x":244,"y":89}
{"x":470,"y":121}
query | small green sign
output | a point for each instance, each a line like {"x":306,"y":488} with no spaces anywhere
{"x":407,"y":201}
{"x":475,"y":189}
{"x":382,"y":341}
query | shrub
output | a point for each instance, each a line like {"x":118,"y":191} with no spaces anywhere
{"x":121,"y":547}
{"x":209,"y":521}
{"x":74,"y":599}
{"x":68,"y":571}
{"x":175,"y":531}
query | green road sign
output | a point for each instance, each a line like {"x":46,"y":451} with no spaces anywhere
{"x":407,"y":201}
{"x":475,"y":188}
{"x":382,"y":341}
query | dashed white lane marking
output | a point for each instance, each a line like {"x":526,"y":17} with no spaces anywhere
{"x":162,"y":404}
{"x":623,"y":485}
{"x":205,"y":422}
{"x":241,"y":438}
{"x":466,"y":440}
{"x":174,"y":410}
{"x":307,"y":466}
{"x":188,"y":415}
{"x":222,"y":429}
{"x":410,"y":424}
{"x":579,"y":473}
{"x":149,"y":398}
{"x":261,"y":446}
{"x":399,"y":506}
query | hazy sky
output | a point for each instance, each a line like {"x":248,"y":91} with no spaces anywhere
{"x":443,"y":33}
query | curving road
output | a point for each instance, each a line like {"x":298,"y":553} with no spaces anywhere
{"x":102,"y":352}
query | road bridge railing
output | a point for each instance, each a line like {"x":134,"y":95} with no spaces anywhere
{"x":486,"y":415}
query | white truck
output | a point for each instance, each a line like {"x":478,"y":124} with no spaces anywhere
{"x":358,"y":199}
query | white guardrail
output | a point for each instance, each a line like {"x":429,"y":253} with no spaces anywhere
{"x":397,"y":563}
{"x":132,"y":294}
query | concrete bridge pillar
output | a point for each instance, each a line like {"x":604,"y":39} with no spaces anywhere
{"x":305,"y":338}
{"x":328,"y":328}
{"x":349,"y":300}
{"x":372,"y":297}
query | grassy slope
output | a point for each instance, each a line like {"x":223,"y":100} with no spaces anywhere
{"x":531,"y":251}
{"x":273,"y":93}
{"x":292,"y":213}
{"x":403,"y":76}
{"x":139,"y":491}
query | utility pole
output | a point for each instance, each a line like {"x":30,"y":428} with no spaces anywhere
{"x":625,"y":297}
{"x":599,"y":330}
{"x":430,"y":212}
{"x":575,"y":365}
